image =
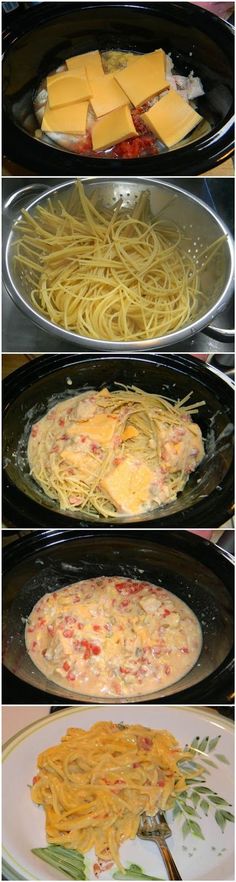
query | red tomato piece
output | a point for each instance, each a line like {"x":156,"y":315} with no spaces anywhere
{"x":66,"y":666}
{"x":68,"y":632}
{"x":70,"y":676}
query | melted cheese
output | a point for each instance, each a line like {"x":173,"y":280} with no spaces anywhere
{"x":100,"y":427}
{"x":107,"y":95}
{"x":68,"y":87}
{"x":144,"y":78}
{"x":128,"y":486}
{"x":113,"y":128}
{"x":90,"y":60}
{"x":113,"y":636}
{"x":171,"y":118}
{"x":71,"y":119}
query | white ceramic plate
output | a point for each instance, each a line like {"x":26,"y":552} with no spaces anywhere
{"x":208,"y":858}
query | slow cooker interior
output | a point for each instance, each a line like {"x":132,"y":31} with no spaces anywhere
{"x":60,"y":561}
{"x":198,"y":226}
{"x":193,"y":43}
{"x":173,"y":377}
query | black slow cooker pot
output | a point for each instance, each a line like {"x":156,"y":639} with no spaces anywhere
{"x":43,"y":37}
{"x":194,"y":569}
{"x":207,"y":499}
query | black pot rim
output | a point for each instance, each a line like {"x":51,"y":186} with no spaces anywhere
{"x":16,"y":502}
{"x":222,"y":677}
{"x":209,"y":152}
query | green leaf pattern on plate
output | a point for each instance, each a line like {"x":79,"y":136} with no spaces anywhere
{"x":199,"y":797}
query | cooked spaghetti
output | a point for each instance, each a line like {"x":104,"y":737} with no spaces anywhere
{"x":95,"y":784}
{"x":110,"y":275}
{"x":112,"y":636}
{"x":110,"y":453}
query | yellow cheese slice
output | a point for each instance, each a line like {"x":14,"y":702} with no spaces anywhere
{"x":107,"y":95}
{"x":112,"y":128}
{"x":144,"y":78}
{"x":68,"y":87}
{"x":67,"y":120}
{"x":100,"y":427}
{"x":91,"y":60}
{"x":171,"y":118}
{"x":128,"y":486}
{"x":129,"y":432}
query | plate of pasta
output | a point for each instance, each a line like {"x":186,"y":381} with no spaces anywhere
{"x":86,"y":775}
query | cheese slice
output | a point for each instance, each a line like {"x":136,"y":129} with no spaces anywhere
{"x":112,"y":128}
{"x":128,"y":486}
{"x":66,"y":120}
{"x":129,"y":432}
{"x":91,"y":60}
{"x":100,"y":427}
{"x":171,"y":118}
{"x":68,"y":87}
{"x":144,"y":78}
{"x":107,"y":95}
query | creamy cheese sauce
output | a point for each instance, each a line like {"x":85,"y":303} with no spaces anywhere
{"x":113,"y":637}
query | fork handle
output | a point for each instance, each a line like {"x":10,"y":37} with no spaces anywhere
{"x":172,"y":871}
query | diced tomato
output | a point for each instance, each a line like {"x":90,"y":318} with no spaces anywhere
{"x":35,"y":779}
{"x":84,"y":145}
{"x":70,"y":620}
{"x":136,"y":765}
{"x":79,"y":624}
{"x":34,"y":431}
{"x":87,"y":653}
{"x":68,"y":632}
{"x":41,"y":622}
{"x":64,"y":438}
{"x":135,"y":147}
{"x":124,"y":603}
{"x":161,"y":783}
{"x":95,"y":447}
{"x":96,"y":627}
{"x":96,"y":650}
{"x":70,"y":676}
{"x":66,"y":666}
{"x":117,"y":688}
{"x":184,"y":649}
{"x":117,"y":461}
{"x":30,"y":630}
{"x":145,"y":743}
{"x":125,"y":670}
{"x":166,"y":612}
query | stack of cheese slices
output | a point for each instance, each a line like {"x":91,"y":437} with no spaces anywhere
{"x":84,"y":85}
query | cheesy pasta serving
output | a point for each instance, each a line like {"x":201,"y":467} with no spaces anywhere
{"x":95,"y":784}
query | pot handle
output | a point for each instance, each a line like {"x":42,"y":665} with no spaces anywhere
{"x":21,"y":198}
{"x":225,"y":335}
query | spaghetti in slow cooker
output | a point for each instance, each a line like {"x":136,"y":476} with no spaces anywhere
{"x":120,"y":452}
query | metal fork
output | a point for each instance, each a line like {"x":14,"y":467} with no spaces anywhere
{"x":157,"y":830}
